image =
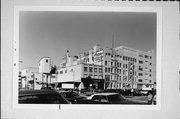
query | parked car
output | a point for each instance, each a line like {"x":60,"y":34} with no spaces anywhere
{"x":76,"y":98}
{"x":72,"y":96}
{"x":41,"y":97}
{"x":144,"y":92}
{"x":111,"y":98}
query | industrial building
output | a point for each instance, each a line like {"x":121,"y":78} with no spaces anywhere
{"x":108,"y":68}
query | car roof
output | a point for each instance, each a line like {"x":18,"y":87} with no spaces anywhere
{"x":106,"y":94}
{"x":32,"y":92}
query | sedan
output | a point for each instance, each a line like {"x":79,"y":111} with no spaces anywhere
{"x":76,"y":98}
{"x":111,"y":98}
{"x":41,"y":97}
{"x":72,"y":96}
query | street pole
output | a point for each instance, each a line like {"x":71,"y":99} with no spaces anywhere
{"x":73,"y":81}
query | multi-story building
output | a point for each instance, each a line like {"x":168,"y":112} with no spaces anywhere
{"x":44,"y":65}
{"x":37,"y":77}
{"x":109,"y":68}
{"x":27,"y":75}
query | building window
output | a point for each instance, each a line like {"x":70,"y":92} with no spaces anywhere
{"x":150,"y":63}
{"x":107,"y":77}
{"x":105,"y":69}
{"x":140,"y":68}
{"x":109,"y":70}
{"x":124,"y":72}
{"x":105,"y":63}
{"x":149,"y":75}
{"x":90,"y":69}
{"x":119,"y":64}
{"x":65,"y":71}
{"x":150,"y":57}
{"x":139,"y":80}
{"x":85,"y":69}
{"x":146,"y":56}
{"x":140,"y":74}
{"x":140,"y":62}
{"x":150,"y":70}
{"x":46,"y":61}
{"x":100,"y":70}
{"x":106,"y":55}
{"x":149,"y":81}
{"x":111,"y":63}
{"x":120,"y":71}
{"x":95,"y":69}
{"x":123,"y":65}
{"x":61,"y":72}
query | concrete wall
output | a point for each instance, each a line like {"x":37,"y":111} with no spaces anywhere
{"x":70,"y":74}
{"x":44,"y":65}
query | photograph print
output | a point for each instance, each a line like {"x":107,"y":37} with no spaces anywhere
{"x":76,"y":57}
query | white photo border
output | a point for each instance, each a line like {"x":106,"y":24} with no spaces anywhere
{"x":157,"y":10}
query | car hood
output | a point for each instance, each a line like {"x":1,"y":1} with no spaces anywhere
{"x":128,"y":101}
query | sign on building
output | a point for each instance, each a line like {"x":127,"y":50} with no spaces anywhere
{"x":98,"y":56}
{"x":131,"y":71}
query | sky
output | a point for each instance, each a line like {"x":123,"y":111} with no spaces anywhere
{"x":49,"y":33}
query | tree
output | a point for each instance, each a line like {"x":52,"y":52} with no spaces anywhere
{"x":53,"y":69}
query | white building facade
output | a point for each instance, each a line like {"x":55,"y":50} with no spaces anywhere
{"x":27,"y":75}
{"x":109,"y":68}
{"x":44,"y":65}
{"x":38,"y":77}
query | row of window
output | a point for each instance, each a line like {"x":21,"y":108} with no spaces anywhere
{"x":146,"y":68}
{"x":117,"y":78}
{"x":129,"y":59}
{"x":115,"y":64}
{"x":93,"y":76}
{"x":65,"y":71}
{"x":141,"y":80}
{"x":126,"y":58}
{"x":145,"y":56}
{"x":91,"y":69}
{"x":141,"y":74}
{"x":141,"y":62}
{"x":109,"y":55}
{"x":115,"y":70}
